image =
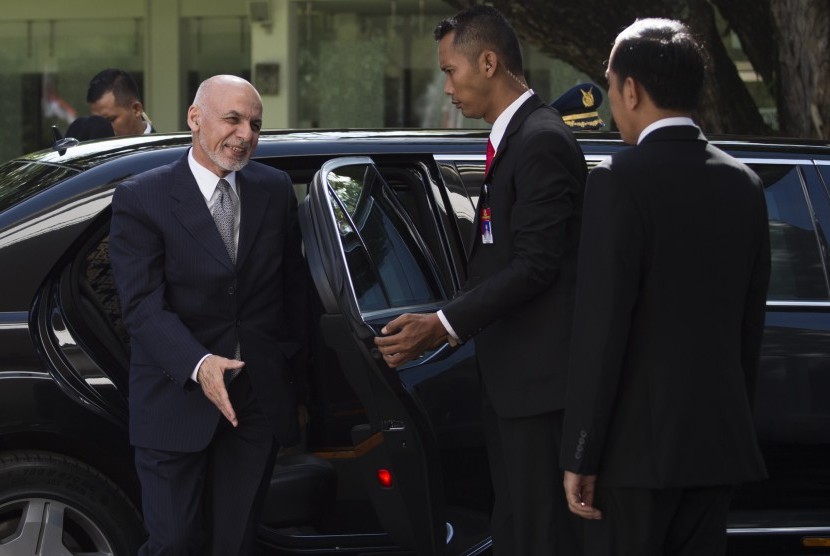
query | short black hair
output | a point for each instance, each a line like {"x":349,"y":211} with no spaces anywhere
{"x":90,"y":127}
{"x":665,"y":58}
{"x":484,"y":27}
{"x":121,"y":83}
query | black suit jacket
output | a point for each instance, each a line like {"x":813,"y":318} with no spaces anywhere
{"x":519,"y":293}
{"x":673,"y":272}
{"x":182,"y":297}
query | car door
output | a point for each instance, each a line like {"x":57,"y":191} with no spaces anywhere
{"x":369,"y":265}
{"x":791,"y":413}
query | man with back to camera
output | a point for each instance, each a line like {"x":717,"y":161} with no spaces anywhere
{"x":206,"y":256}
{"x":674,"y":264}
{"x":113,"y":94}
{"x":518,"y":296}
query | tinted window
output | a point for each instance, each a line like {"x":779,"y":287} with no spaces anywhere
{"x":21,"y":180}
{"x":458,"y":191}
{"x":797,"y":271}
{"x":386,"y":259}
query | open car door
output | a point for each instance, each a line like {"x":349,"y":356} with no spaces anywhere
{"x":370,"y":265}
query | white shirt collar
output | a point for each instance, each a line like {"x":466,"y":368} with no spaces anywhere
{"x":207,"y":180}
{"x":665,"y":122}
{"x":500,"y":125}
{"x":148,"y":128}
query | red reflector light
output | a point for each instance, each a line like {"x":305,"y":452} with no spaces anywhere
{"x":385,"y":478}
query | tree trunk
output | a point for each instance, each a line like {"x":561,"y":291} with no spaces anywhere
{"x":726,"y":105}
{"x":803,"y":37}
{"x":751,"y":20}
{"x":581,"y":33}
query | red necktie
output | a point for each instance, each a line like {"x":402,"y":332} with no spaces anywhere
{"x":491,"y":152}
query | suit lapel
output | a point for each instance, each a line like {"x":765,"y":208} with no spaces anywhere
{"x":254,"y":202}
{"x":516,"y":122}
{"x":193,"y":214}
{"x":513,"y":126}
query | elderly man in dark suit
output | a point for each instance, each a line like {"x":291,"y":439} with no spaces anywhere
{"x":673,"y":269}
{"x":519,"y":291}
{"x":206,"y":256}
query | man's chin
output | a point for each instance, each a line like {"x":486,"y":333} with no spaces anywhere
{"x":471,"y":115}
{"x":231,"y":164}
{"x":239,"y":164}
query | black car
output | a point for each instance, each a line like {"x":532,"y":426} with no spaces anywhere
{"x":391,"y":462}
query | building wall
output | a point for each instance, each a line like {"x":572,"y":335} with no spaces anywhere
{"x":319,"y":63}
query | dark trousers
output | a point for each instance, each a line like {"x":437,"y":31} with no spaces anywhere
{"x":530,"y":516}
{"x":665,"y":522}
{"x":209,"y":502}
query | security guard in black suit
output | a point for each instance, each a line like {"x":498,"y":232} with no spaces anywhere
{"x":519,"y":293}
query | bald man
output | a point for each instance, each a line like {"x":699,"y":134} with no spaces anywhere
{"x":206,"y":256}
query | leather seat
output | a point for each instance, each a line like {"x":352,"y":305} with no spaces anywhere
{"x":302,"y":487}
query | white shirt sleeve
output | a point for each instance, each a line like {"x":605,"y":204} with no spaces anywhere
{"x":448,"y":326}
{"x":195,"y":373}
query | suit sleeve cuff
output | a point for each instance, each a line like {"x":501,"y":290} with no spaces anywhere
{"x":195,"y":374}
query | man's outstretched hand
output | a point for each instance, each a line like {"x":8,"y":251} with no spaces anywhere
{"x":407,"y":337}
{"x":211,"y":376}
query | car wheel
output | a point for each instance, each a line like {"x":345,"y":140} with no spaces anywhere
{"x":54,"y":505}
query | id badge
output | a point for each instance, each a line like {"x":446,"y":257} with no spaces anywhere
{"x":486,"y":227}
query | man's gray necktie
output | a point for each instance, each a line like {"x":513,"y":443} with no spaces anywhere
{"x":224,"y":214}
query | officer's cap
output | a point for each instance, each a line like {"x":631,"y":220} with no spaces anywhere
{"x":578,"y":106}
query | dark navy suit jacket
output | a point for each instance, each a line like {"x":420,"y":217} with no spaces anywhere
{"x":182,"y":297}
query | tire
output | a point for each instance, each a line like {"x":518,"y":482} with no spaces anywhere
{"x":53,"y":505}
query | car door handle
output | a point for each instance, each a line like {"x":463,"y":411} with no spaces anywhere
{"x":439,"y":354}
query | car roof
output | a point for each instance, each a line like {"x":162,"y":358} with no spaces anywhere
{"x":344,"y":142}
{"x":91,"y":153}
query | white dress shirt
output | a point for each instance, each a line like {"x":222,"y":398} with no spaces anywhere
{"x":207,"y":180}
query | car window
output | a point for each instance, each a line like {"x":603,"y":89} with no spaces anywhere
{"x":388,"y":264}
{"x":459,"y":179}
{"x":472,"y":174}
{"x":21,"y":180}
{"x":797,"y":269}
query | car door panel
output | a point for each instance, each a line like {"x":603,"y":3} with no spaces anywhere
{"x":791,"y":416}
{"x":365,"y":259}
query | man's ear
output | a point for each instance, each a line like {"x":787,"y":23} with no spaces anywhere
{"x":193,"y":118}
{"x":488,"y":62}
{"x":632,"y":93}
{"x":137,"y":108}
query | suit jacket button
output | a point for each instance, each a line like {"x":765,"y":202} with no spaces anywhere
{"x":231,"y":290}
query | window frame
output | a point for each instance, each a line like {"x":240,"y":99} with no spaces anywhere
{"x":799,"y":165}
{"x":415,"y":241}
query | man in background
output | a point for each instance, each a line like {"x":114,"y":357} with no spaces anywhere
{"x":113,"y":94}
